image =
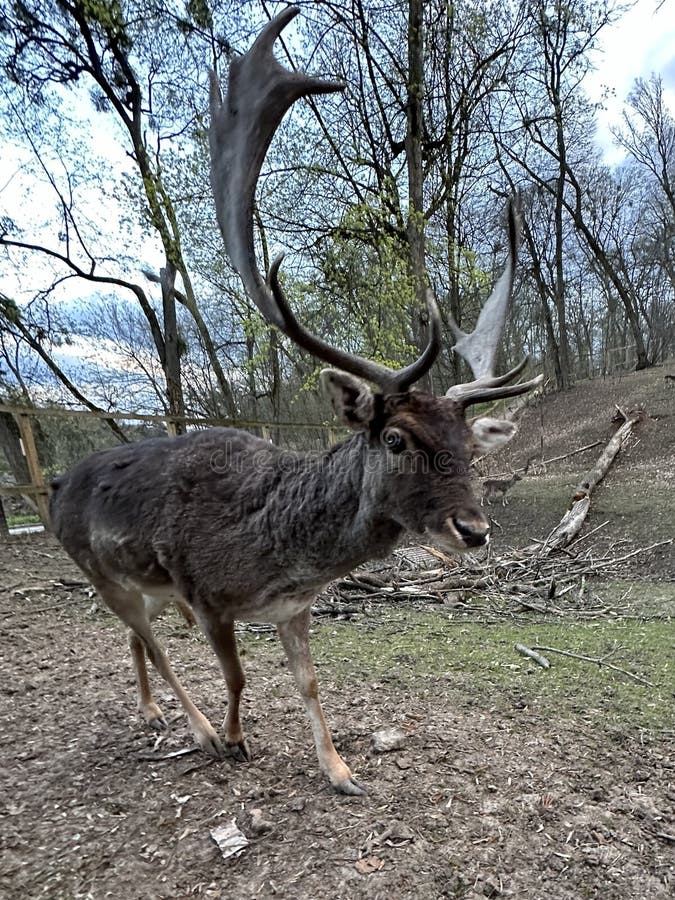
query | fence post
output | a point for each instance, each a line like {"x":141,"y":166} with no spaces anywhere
{"x":4,"y":524}
{"x":33,"y":463}
{"x":171,"y":428}
{"x":265,"y":432}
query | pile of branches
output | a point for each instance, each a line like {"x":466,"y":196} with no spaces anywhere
{"x":552,"y":584}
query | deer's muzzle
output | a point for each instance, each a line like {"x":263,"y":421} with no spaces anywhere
{"x":468,"y":531}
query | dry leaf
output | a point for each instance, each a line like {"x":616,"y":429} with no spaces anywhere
{"x":369,"y":864}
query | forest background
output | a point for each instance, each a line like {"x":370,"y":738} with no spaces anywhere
{"x":116,"y":291}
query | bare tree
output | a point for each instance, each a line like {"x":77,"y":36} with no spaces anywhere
{"x":113,"y":49}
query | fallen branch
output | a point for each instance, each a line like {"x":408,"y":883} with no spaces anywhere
{"x":532,"y":654}
{"x":553,"y":459}
{"x":598,"y":660}
{"x":618,"y":559}
{"x":594,"y":476}
{"x":664,"y":835}
{"x":572,"y":522}
{"x":545,"y":462}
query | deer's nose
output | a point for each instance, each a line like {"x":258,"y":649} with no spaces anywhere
{"x":474,"y":532}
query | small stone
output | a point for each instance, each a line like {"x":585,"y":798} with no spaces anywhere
{"x":256,"y":792}
{"x":388,"y":739}
{"x":259,"y":824}
{"x":397,"y":833}
{"x":492,"y":887}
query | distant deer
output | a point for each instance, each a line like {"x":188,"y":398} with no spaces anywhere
{"x":498,"y":487}
{"x":241,"y":530}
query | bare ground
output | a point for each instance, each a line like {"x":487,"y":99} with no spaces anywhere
{"x":489,"y":797}
{"x":636,"y":498}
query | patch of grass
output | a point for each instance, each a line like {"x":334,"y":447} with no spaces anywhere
{"x":642,"y":596}
{"x":642,"y":502}
{"x":480,"y":661}
{"x":23,"y":519}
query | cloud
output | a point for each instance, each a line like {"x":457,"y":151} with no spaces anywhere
{"x":640,"y":43}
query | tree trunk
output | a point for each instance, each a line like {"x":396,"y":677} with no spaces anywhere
{"x":413,"y":146}
{"x":4,"y":524}
{"x":275,"y":389}
{"x":559,"y":288}
{"x":171,"y":349}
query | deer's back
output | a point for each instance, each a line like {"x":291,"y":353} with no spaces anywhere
{"x":134,"y":510}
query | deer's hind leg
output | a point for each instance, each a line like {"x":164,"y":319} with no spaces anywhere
{"x":131,"y":607}
{"x":221,"y":637}
{"x":147,"y":707}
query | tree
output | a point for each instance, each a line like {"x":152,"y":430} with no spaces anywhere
{"x":120,"y":50}
{"x":648,"y":135}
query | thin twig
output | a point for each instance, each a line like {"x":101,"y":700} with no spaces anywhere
{"x":598,"y":660}
{"x":588,"y":534}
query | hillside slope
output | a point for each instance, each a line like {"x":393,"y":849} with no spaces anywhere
{"x":638,"y":495}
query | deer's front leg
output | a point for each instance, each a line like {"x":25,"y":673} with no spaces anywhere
{"x":294,"y":636}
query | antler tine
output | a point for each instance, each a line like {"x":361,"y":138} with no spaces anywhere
{"x":479,"y":348}
{"x":260,"y":92}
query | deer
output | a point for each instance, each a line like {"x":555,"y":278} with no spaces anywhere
{"x":240,"y":530}
{"x":498,"y":487}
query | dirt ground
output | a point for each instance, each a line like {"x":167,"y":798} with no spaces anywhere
{"x":488,"y":797}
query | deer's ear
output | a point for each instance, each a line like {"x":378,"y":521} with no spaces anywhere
{"x":490,"y":434}
{"x":352,"y":399}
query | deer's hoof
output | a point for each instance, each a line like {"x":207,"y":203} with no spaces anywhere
{"x":159,"y":723}
{"x":351,"y":787}
{"x":211,"y":744}
{"x":237,"y":751}
{"x":154,"y":717}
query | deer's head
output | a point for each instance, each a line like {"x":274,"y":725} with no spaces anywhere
{"x":420,"y":448}
{"x":420,"y":445}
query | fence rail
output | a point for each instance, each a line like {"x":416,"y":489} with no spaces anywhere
{"x":37,"y":488}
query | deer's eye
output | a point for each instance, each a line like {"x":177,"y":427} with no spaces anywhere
{"x":393,"y":440}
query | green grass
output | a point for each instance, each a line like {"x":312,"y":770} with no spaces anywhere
{"x":480,"y":661}
{"x":25,"y":519}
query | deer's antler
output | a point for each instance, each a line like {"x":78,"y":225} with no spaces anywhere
{"x":479,"y":348}
{"x":260,"y":92}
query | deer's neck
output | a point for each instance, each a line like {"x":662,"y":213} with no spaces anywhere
{"x":332,"y":513}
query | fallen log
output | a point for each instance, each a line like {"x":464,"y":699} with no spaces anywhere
{"x":594,"y":476}
{"x":571,"y":523}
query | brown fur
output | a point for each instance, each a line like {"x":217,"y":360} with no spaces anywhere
{"x":238,"y":529}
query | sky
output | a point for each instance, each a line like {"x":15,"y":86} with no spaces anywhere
{"x":642,"y":42}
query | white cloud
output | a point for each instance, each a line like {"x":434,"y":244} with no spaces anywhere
{"x":641,"y":42}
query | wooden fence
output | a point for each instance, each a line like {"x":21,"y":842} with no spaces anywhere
{"x":37,"y":489}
